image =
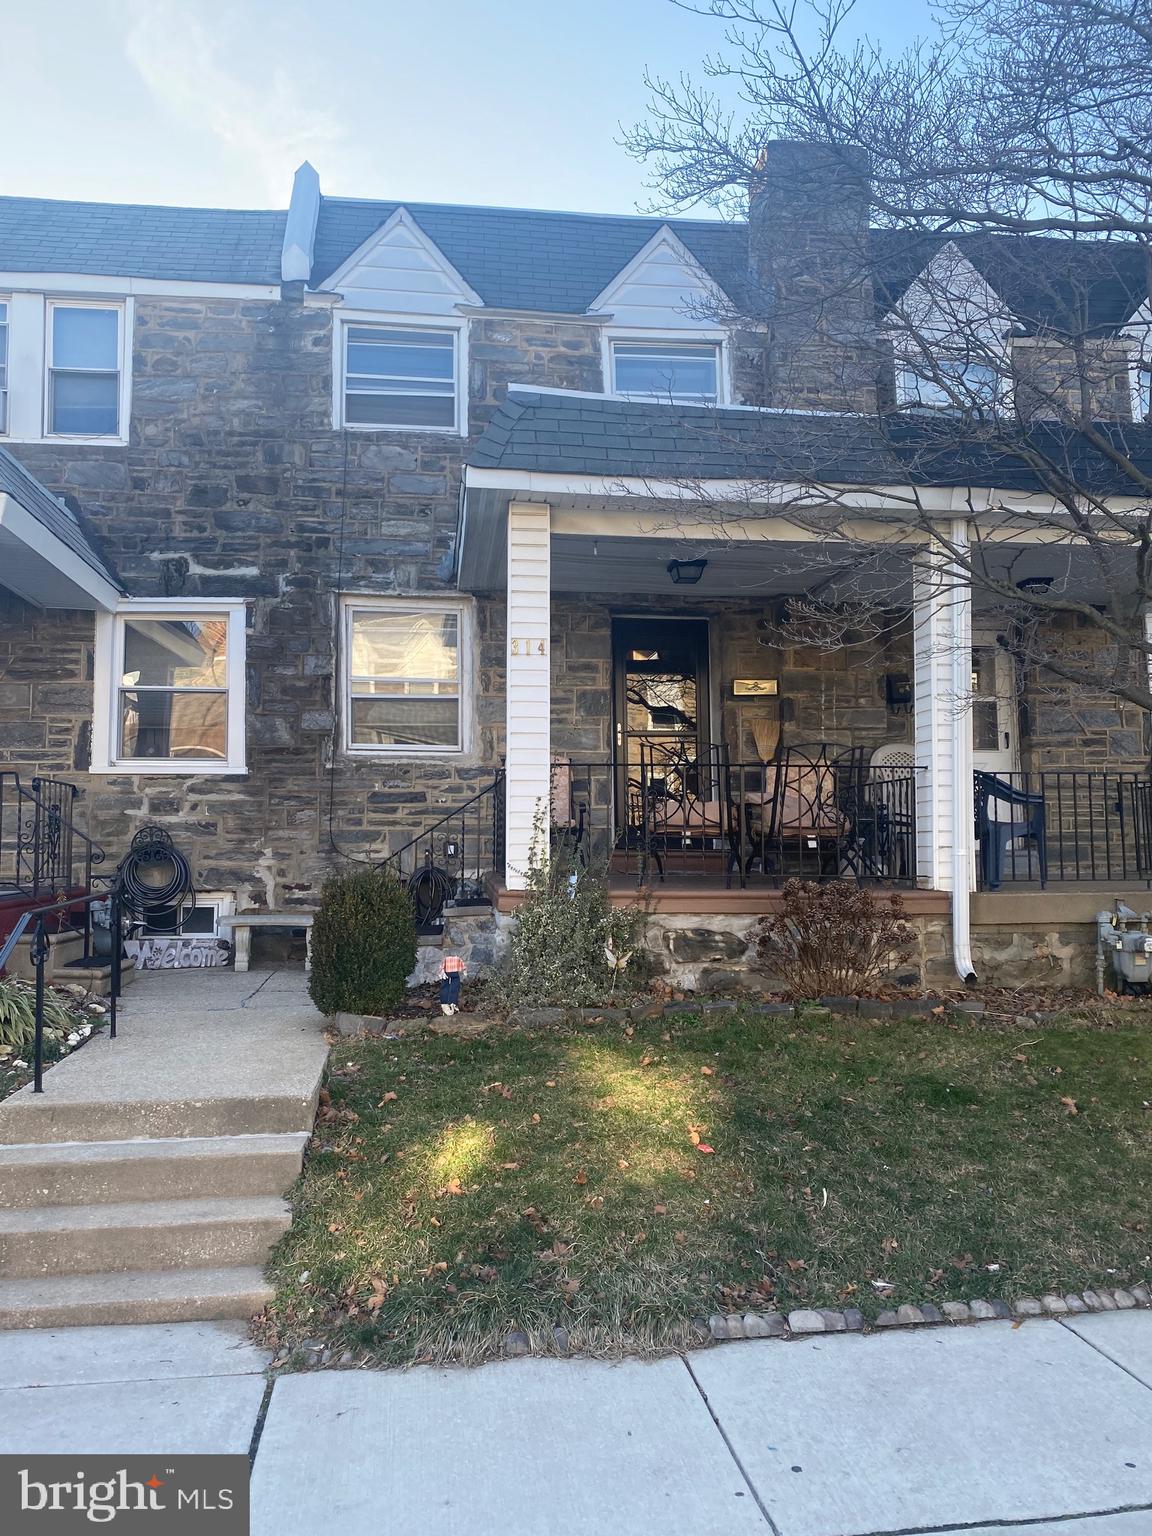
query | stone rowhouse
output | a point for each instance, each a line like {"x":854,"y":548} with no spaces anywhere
{"x":359,"y":434}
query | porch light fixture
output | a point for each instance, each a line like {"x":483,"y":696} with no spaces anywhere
{"x":686,"y":573}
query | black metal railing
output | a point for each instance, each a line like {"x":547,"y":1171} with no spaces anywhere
{"x":452,"y":859}
{"x":43,"y":922}
{"x":1063,"y":825}
{"x":818,"y":813}
{"x":43,"y":853}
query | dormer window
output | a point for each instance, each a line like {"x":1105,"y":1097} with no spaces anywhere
{"x":687,"y":372}
{"x":950,"y":384}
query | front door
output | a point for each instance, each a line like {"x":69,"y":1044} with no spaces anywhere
{"x":660,"y":697}
{"x":994,"y":713}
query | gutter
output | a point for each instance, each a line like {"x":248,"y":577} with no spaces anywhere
{"x":963,"y":813}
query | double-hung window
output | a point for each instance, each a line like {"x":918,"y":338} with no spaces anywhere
{"x":83,"y":370}
{"x":401,"y":376}
{"x":688,"y":372}
{"x":172,"y":676}
{"x":404,"y":676}
{"x":3,"y":365}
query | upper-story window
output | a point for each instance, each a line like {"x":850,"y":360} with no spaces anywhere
{"x":65,"y":368}
{"x":401,"y":377}
{"x":950,"y":384}
{"x":84,"y":370}
{"x":3,"y":365}
{"x":688,"y":372}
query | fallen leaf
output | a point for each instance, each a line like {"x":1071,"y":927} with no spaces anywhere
{"x":389,"y":1097}
{"x":581,"y":1178}
{"x":1070,"y":1104}
{"x":622,"y":1163}
{"x":512,"y":1167}
{"x":659,"y":1210}
{"x":795,"y":1265}
{"x":702,"y":1146}
{"x":535,"y":1119}
{"x":707,"y":1071}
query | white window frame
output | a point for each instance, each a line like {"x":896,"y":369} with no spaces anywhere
{"x":52,"y":307}
{"x":108,"y":671}
{"x":457,"y":328}
{"x":29,"y":360}
{"x":352,"y":603}
{"x":685,"y":338}
{"x":909,"y":377}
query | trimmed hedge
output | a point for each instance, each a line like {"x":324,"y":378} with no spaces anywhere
{"x":363,"y":944}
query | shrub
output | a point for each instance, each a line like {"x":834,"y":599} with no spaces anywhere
{"x":835,"y":938}
{"x":18,"y":1014}
{"x":363,"y":943}
{"x":566,"y":926}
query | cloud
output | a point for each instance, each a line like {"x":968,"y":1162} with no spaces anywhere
{"x":256,"y":116}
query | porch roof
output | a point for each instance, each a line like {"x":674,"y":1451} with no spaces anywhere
{"x":45,"y":556}
{"x":564,"y":432}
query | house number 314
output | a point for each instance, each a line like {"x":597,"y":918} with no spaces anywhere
{"x":529,"y":648}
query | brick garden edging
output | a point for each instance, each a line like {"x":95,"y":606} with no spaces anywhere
{"x":805,"y":1320}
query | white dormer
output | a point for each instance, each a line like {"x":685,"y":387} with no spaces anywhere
{"x":399,"y":271}
{"x":951,"y":337}
{"x":662,"y":288}
{"x":664,"y":339}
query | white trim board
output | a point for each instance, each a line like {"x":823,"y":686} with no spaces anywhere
{"x":663,"y":287}
{"x":112,"y":286}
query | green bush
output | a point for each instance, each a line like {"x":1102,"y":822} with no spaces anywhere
{"x":18,"y":1014}
{"x":566,"y":929}
{"x":363,"y":944}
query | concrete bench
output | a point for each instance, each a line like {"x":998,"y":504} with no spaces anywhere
{"x":242,"y":924}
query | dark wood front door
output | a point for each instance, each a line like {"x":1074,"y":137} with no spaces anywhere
{"x":660,"y":697}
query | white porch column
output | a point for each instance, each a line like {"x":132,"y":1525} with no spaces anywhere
{"x":942,"y":631}
{"x":528,"y":750}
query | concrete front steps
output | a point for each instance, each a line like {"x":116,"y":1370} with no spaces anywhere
{"x":147,"y":1183}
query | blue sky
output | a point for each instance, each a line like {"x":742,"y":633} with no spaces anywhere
{"x":214,"y":104}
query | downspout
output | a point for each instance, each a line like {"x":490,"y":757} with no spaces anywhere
{"x":963,"y":814}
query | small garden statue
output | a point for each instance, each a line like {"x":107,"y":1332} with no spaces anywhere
{"x":451,"y":975}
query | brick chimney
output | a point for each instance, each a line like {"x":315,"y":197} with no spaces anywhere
{"x":808,"y":253}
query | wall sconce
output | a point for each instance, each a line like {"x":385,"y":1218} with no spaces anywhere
{"x":686,"y":573}
{"x":898,"y":692}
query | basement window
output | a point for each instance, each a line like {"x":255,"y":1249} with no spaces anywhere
{"x":404,"y":671}
{"x":172,"y":678}
{"x":400,"y":376}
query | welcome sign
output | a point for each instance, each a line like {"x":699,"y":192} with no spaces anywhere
{"x":178,"y":954}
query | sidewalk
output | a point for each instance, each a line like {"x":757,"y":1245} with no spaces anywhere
{"x":991,"y":1429}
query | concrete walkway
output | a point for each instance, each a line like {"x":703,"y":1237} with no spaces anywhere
{"x":146,"y":1183}
{"x":991,"y":1429}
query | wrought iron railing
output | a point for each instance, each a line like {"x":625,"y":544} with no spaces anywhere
{"x":1063,"y":825}
{"x":43,"y":853}
{"x":452,"y":859}
{"x":818,"y":813}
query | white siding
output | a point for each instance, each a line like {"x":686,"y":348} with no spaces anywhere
{"x":399,"y":271}
{"x":660,"y":289}
{"x":942,"y":637}
{"x":528,"y":756}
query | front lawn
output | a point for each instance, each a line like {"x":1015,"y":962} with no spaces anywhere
{"x":623,"y":1179}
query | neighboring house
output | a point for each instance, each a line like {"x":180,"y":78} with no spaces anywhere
{"x":339,"y":510}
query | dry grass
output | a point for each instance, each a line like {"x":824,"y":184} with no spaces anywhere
{"x":461,"y":1188}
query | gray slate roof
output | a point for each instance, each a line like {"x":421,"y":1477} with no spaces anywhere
{"x":520,"y":258}
{"x":571,"y":434}
{"x":201,"y":245}
{"x":15,"y":481}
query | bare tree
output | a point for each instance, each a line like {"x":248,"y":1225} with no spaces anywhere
{"x":987,"y":326}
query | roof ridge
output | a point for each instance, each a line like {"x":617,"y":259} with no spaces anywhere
{"x":87,"y":202}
